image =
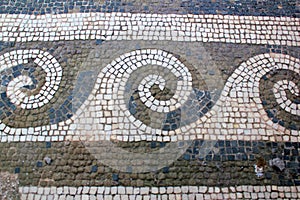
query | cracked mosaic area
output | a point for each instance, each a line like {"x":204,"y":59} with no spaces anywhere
{"x":150,"y":100}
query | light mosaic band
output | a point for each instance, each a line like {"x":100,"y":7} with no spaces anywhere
{"x":151,"y":193}
{"x":130,"y":26}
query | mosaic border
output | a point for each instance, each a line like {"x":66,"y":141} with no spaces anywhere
{"x":241,"y":93}
{"x":242,"y":7}
{"x":127,"y":26}
{"x":180,"y":192}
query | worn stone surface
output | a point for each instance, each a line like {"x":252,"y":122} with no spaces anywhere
{"x":9,"y":185}
{"x":229,"y":163}
{"x":277,"y":162}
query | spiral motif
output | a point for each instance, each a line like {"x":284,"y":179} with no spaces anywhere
{"x":29,"y":80}
{"x":272,"y":82}
{"x":281,"y":96}
{"x":184,"y":85}
{"x":15,"y":88}
{"x":147,"y":94}
{"x":151,"y":91}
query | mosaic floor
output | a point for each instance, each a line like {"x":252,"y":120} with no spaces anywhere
{"x":118,"y":99}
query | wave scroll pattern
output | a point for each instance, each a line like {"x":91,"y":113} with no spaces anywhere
{"x":162,"y":87}
{"x":259,"y":107}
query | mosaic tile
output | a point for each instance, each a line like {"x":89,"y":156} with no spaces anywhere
{"x":44,"y":60}
{"x":127,"y":26}
{"x":19,"y":117}
{"x":241,"y":7}
{"x":285,"y":112}
{"x":170,"y":121}
{"x":184,"y":192}
{"x":210,"y":163}
{"x":154,"y":100}
{"x":153,"y":106}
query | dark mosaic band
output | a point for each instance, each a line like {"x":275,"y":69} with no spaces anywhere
{"x":225,"y":7}
{"x":228,"y":163}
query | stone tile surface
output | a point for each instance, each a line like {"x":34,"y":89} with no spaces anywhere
{"x":126,"y":99}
